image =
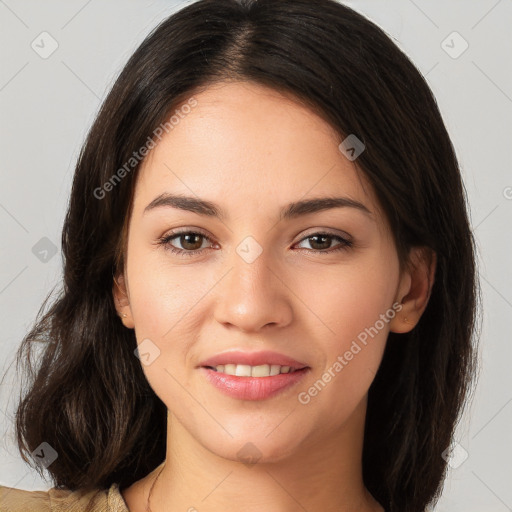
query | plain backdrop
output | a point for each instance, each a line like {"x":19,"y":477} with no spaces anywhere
{"x":48,"y":103}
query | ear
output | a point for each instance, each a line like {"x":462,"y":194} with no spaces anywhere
{"x":122,"y":301}
{"x":414,"y":289}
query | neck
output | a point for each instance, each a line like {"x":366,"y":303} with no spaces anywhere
{"x":325,"y":474}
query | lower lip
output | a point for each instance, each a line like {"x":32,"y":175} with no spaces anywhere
{"x":253,"y":388}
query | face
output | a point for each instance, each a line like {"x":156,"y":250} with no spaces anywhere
{"x":310,"y":285}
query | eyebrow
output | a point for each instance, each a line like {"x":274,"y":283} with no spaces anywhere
{"x":291,"y":211}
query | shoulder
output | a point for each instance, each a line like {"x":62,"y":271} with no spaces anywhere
{"x":61,"y":500}
{"x":14,"y":500}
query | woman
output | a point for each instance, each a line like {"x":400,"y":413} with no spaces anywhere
{"x":269,"y":292}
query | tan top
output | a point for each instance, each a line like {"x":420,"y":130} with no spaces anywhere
{"x":59,"y":500}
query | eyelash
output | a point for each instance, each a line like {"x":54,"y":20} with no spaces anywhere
{"x":165,"y":242}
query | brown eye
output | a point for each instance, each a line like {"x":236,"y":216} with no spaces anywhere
{"x":191,"y":242}
{"x":321,"y":242}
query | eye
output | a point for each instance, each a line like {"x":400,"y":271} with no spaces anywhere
{"x":191,"y":241}
{"x":323,"y":241}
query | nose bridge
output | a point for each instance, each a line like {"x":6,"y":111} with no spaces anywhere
{"x":251,"y":270}
{"x":251,"y":296}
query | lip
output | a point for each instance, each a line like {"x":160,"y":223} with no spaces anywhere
{"x":252,"y":359}
{"x":253,"y":388}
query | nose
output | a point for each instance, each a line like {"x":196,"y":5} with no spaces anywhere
{"x":253,"y":295}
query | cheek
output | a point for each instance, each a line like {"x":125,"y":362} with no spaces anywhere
{"x":164,"y":303}
{"x":162,"y":295}
{"x":162,"y":308}
{"x":347,"y":299}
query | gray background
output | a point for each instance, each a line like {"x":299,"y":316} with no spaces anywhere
{"x":48,"y":104}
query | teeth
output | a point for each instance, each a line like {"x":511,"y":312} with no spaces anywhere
{"x":244,"y":370}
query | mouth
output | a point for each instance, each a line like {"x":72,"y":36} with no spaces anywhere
{"x":252,"y":375}
{"x":259,"y":371}
{"x":260,"y":382}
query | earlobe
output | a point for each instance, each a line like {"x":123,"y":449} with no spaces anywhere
{"x":415,"y":289}
{"x":121,"y":301}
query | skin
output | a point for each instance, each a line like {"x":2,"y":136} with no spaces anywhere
{"x":249,"y":149}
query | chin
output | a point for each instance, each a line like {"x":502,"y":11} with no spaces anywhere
{"x":253,"y":449}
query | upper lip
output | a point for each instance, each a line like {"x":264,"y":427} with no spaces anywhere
{"x":252,"y":359}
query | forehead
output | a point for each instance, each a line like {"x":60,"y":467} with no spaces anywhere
{"x":248,"y":146}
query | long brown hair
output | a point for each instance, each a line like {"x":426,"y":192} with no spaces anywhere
{"x":87,"y":395}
